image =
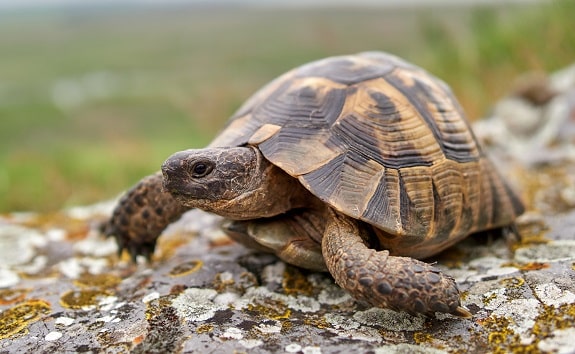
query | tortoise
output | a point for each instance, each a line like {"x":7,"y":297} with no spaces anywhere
{"x":359,"y":165}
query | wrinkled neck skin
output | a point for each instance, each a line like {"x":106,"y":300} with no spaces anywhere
{"x":243,"y":184}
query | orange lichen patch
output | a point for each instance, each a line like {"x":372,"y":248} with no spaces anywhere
{"x":138,"y":339}
{"x":205,"y":328}
{"x":167,"y":246}
{"x":422,"y":337}
{"x":177,"y":289}
{"x":296,"y":283}
{"x":527,"y":266}
{"x":16,"y":319}
{"x":100,"y":281}
{"x":513,"y":282}
{"x":81,"y":299}
{"x":534,"y":266}
{"x":501,"y":338}
{"x":320,"y":323}
{"x":223,"y":282}
{"x":552,"y":318}
{"x":75,"y":229}
{"x":272,"y":309}
{"x":154,"y":308}
{"x":10,"y":296}
{"x":186,"y":268}
{"x":287,"y":326}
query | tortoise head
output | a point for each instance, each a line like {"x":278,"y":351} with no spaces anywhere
{"x":237,"y":183}
{"x":213,"y":175}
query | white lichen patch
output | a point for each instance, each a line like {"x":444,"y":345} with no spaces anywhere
{"x":106,"y":319}
{"x":195,"y":304}
{"x":97,"y":246}
{"x":269,"y":328}
{"x":37,"y":264}
{"x":561,"y":342}
{"x":333,"y":295}
{"x":151,"y":297}
{"x":407,"y":349}
{"x":70,"y":268}
{"x":311,"y":350}
{"x":56,"y":235}
{"x":563,"y":250}
{"x":250,"y":343}
{"x":74,"y":267}
{"x":107,"y":303}
{"x":232,"y":333}
{"x":388,"y":319}
{"x":292,"y":348}
{"x":261,"y":294}
{"x":18,"y":244}
{"x":226,"y":299}
{"x":274,"y":273}
{"x":64,"y":321}
{"x":364,"y":333}
{"x":493,"y":299}
{"x":8,"y":278}
{"x":301,"y":303}
{"x":52,"y":336}
{"x":341,"y":322}
{"x":522,"y":313}
{"x":551,"y":295}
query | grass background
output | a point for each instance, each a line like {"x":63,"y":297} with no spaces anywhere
{"x":94,"y":98}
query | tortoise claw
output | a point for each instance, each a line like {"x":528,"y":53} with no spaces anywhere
{"x":462,"y":312}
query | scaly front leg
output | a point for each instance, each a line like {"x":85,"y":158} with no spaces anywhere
{"x":141,"y":215}
{"x":398,"y":283}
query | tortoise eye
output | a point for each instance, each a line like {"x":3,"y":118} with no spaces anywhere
{"x":201,"y":169}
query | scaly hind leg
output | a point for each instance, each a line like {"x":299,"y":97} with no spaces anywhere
{"x":141,"y":215}
{"x":398,"y":283}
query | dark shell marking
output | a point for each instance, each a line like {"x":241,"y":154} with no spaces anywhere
{"x":381,"y":141}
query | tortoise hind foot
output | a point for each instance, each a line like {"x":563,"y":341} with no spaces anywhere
{"x":283,"y":236}
{"x":141,"y":215}
{"x":375,"y":277}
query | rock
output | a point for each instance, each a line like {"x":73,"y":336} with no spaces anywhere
{"x":534,"y":118}
{"x":63,"y":288}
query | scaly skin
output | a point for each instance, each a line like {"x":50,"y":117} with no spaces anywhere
{"x":141,"y":215}
{"x":398,"y":283}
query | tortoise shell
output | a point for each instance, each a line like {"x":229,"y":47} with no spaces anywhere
{"x":380,"y":140}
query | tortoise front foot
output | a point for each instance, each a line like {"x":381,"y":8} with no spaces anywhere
{"x":141,"y":215}
{"x":398,"y":283}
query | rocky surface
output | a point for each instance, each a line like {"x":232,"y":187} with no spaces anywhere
{"x":63,"y":288}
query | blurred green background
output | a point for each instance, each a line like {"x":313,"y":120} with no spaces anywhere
{"x":92,"y":98}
